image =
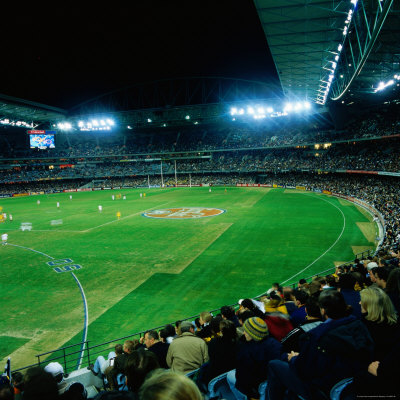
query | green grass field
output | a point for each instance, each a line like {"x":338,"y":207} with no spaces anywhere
{"x":139,"y":272}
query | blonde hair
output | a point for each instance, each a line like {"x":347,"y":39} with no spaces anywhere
{"x":206,"y":316}
{"x":168,"y":385}
{"x":378,"y":305}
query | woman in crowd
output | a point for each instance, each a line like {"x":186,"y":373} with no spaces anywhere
{"x":380,"y":318}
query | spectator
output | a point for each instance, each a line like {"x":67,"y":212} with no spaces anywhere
{"x":57,"y":371}
{"x":289,"y":299}
{"x":334,"y":350}
{"x":168,"y":385}
{"x":252,"y":358}
{"x":167,"y":334}
{"x":187,"y":352}
{"x":352,"y":297}
{"x":291,"y":342}
{"x":101,"y":364}
{"x":242,"y":316}
{"x":381,"y":276}
{"x":118,"y":368}
{"x":380,"y":318}
{"x":156,"y":346}
{"x":138,"y":365}
{"x":298,"y":316}
{"x":250,"y":305}
{"x":228,"y":313}
{"x":205,"y":329}
{"x":39,"y":385}
{"x":393,"y":288}
{"x":380,"y":379}
{"x":6,"y":388}
{"x":274,"y":303}
{"x":222,"y":352}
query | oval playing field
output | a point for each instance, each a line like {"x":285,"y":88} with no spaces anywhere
{"x":112,"y":272}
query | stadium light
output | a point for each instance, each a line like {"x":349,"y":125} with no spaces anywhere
{"x":187,"y":117}
{"x":234,"y":111}
{"x":383,"y":85}
{"x":288,"y":107}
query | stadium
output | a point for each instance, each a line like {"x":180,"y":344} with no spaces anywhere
{"x":252,"y":191}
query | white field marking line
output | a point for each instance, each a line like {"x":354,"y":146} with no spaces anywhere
{"x":86,"y":321}
{"x":338,"y":238}
{"x":85,"y":306}
{"x":128,"y":216}
{"x":334,"y":243}
{"x":27,"y":248}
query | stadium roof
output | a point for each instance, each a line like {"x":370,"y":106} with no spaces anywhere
{"x":304,"y":38}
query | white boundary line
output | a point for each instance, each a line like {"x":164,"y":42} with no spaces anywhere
{"x":86,"y":321}
{"x":85,"y":306}
{"x":326,"y":251}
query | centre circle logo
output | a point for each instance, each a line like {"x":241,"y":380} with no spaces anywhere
{"x":184,"y":213}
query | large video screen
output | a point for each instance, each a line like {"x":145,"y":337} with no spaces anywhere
{"x":42,"y":141}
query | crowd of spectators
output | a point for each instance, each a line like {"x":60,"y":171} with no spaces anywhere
{"x":277,"y":133}
{"x":301,"y":340}
{"x":363,"y":156}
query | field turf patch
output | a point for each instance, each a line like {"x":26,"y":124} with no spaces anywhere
{"x":10,"y":343}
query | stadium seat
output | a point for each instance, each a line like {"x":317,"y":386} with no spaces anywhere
{"x":218,"y":388}
{"x":192,"y":374}
{"x":262,"y":388}
{"x":337,"y":390}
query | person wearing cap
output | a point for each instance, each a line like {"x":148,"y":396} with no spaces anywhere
{"x":252,"y":359}
{"x":57,"y":371}
{"x":187,"y":352}
{"x":66,"y":390}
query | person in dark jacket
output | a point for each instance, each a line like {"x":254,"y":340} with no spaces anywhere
{"x":252,"y":358}
{"x":393,"y":288}
{"x":298,"y":316}
{"x":381,"y":320}
{"x":346,"y":286}
{"x":155,"y":345}
{"x":334,"y":350}
{"x":291,"y":342}
{"x":221,"y":352}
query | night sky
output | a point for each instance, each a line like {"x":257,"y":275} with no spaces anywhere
{"x":62,"y":55}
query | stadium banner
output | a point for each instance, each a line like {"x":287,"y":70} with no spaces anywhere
{"x":3,"y":196}
{"x":69,"y":190}
{"x":35,"y":193}
{"x":116,"y":187}
{"x":317,"y":191}
{"x":327,"y":192}
{"x":300,"y":187}
{"x":84,"y":190}
{"x":106,"y":188}
{"x":20,"y":194}
{"x":290,"y":187}
{"x":97,"y":188}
